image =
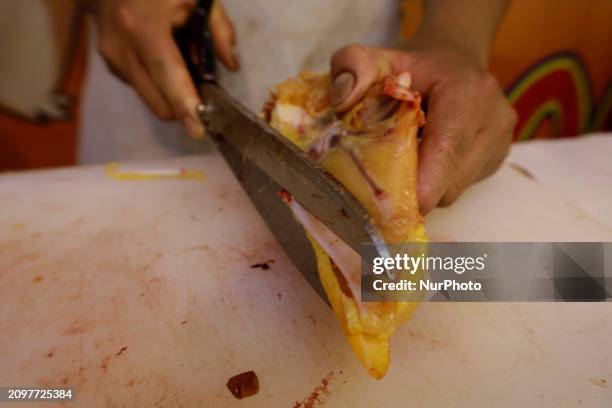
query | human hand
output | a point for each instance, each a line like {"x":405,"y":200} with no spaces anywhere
{"x":469,"y":121}
{"x":136,"y":41}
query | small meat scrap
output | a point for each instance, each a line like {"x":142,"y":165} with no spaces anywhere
{"x":243,"y":385}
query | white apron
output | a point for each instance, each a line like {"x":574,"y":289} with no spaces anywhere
{"x":276,"y":39}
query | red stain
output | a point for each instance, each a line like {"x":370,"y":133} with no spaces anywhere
{"x":104,"y":364}
{"x":79,"y":326}
{"x":317,"y":396}
{"x":263,"y":265}
{"x":205,"y":248}
{"x":285,"y":196}
{"x":78,"y":378}
{"x":121,"y":351}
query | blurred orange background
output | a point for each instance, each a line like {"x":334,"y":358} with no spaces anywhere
{"x":554,"y":60}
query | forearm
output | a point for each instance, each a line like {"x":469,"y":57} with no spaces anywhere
{"x":468,"y":24}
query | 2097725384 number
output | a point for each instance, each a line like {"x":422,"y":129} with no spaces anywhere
{"x":15,"y":394}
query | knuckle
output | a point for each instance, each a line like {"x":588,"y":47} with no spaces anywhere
{"x":511,"y":117}
{"x":487,"y":83}
{"x":183,"y":8}
{"x":507,"y":120}
{"x":349,"y":51}
{"x":428,"y":200}
{"x":106,"y":48}
{"x":126,"y":18}
{"x":451,"y":195}
{"x":492,"y":167}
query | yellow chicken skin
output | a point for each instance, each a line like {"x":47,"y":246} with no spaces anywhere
{"x":372,"y":151}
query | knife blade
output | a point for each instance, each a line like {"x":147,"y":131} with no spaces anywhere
{"x":263,"y":193}
{"x":289,"y":167}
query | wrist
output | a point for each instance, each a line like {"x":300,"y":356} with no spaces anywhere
{"x":474,"y":50}
{"x":465,"y":27}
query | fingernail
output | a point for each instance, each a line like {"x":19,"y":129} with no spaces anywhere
{"x":194,"y":127}
{"x":342,"y":88}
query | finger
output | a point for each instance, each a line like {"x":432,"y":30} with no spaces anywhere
{"x":505,"y":134}
{"x":142,"y":82}
{"x":164,"y":63}
{"x":116,"y":71}
{"x":448,"y":135}
{"x":354,"y":69}
{"x":112,"y":58}
{"x":496,"y":161}
{"x":180,"y":11}
{"x":468,"y":173}
{"x":502,"y":119}
{"x":224,"y":36}
{"x":491,"y":146}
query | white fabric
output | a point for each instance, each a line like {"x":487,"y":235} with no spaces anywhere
{"x":30,"y":59}
{"x":276,"y":39}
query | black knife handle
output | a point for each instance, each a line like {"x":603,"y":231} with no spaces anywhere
{"x":196,"y":44}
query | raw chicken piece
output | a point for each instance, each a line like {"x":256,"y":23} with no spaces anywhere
{"x":372,"y":150}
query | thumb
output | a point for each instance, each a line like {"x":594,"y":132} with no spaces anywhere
{"x":354,"y":69}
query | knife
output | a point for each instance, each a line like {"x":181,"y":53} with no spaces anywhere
{"x":265,"y":162}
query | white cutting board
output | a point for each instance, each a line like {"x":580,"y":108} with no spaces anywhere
{"x":90,"y":265}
